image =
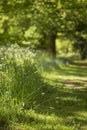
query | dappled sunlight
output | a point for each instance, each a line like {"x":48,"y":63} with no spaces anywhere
{"x":69,"y":90}
{"x":35,"y":121}
{"x":82,"y":114}
{"x":55,"y":94}
{"x":75,"y":99}
{"x":72,"y":76}
{"x":43,"y":65}
{"x":43,"y":117}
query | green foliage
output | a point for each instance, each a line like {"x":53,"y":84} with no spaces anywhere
{"x":37,"y":21}
{"x":20,"y":83}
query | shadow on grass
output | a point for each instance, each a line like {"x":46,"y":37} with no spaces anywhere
{"x":60,"y":100}
{"x":78,"y":69}
{"x":80,"y":63}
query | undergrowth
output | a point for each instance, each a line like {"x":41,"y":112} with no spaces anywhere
{"x":20,"y":84}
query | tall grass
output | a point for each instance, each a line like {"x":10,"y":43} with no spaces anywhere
{"x":20,"y":83}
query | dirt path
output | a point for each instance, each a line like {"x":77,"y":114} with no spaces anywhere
{"x":78,"y":84}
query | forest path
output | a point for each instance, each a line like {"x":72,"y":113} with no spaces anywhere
{"x":79,"y":68}
{"x":73,"y":75}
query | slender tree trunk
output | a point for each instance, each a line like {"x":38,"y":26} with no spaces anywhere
{"x":52,"y":45}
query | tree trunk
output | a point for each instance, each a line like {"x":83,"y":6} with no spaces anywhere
{"x":52,"y":45}
{"x":81,"y":45}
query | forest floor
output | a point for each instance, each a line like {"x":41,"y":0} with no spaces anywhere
{"x":59,"y":104}
{"x":73,"y":76}
{"x":64,"y":103}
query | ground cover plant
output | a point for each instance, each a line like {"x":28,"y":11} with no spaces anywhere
{"x":42,"y":95}
{"x":20,"y":81}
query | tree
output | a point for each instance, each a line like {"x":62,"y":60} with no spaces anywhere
{"x":81,"y":46}
{"x":77,"y":26}
{"x":48,"y":17}
{"x":51,"y":17}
